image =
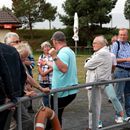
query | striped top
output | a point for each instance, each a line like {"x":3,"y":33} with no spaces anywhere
{"x":123,"y":51}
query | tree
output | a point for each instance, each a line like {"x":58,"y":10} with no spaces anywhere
{"x":31,"y":11}
{"x":127,"y":11}
{"x":90,"y":12}
{"x":50,"y":13}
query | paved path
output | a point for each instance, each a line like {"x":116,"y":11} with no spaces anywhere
{"x":75,"y":116}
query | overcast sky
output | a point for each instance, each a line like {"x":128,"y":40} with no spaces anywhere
{"x":117,"y":14}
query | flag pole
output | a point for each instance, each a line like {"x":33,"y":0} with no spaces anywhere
{"x":75,"y":47}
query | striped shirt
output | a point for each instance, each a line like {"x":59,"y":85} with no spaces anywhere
{"x":44,"y":68}
{"x":123,"y":51}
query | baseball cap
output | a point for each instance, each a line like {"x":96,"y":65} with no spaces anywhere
{"x":46,"y":43}
{"x":58,"y":36}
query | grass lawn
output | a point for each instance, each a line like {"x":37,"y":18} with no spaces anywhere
{"x":80,"y":67}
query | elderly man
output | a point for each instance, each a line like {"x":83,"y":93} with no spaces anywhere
{"x":121,"y":49}
{"x":12,"y":39}
{"x":99,"y":68}
{"x":64,"y":71}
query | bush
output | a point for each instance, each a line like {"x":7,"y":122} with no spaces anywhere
{"x":86,"y":35}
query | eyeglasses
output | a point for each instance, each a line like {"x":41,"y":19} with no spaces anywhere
{"x":15,"y":42}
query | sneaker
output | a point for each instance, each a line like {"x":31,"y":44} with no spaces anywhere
{"x":119,"y":120}
{"x":100,"y":124}
{"x":127,"y":119}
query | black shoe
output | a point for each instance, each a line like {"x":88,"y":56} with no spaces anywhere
{"x":109,"y":101}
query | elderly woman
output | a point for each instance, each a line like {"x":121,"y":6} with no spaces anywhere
{"x":24,"y":51}
{"x":99,"y":68}
{"x":44,"y":69}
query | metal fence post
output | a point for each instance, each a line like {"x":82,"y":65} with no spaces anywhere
{"x":94,"y":108}
{"x":55,"y":100}
{"x":19,"y":116}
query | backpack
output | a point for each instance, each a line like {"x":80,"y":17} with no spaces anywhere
{"x":118,"y":44}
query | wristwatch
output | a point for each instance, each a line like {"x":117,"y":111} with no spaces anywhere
{"x":55,"y":59}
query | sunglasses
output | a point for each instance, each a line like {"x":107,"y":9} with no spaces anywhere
{"x":15,"y":42}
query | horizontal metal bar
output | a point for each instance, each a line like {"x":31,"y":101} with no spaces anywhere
{"x":25,"y":98}
{"x":114,"y":126}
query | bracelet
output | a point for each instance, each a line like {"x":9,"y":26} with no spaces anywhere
{"x":55,"y":59}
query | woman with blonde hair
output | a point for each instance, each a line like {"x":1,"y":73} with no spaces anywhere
{"x":45,"y":69}
{"x":24,"y":51}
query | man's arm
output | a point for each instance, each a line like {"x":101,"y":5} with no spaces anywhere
{"x":94,"y":62}
{"x":61,"y":66}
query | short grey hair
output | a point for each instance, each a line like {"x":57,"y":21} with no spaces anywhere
{"x":8,"y":35}
{"x":101,"y":39}
{"x":46,"y":43}
{"x":58,"y":36}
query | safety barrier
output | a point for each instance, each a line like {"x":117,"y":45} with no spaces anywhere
{"x":55,"y":91}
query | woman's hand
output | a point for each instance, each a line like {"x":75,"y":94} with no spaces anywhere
{"x":45,"y":90}
{"x":30,"y":93}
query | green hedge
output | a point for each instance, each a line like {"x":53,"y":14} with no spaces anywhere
{"x":86,"y":35}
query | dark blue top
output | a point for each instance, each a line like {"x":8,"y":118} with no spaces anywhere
{"x":12,"y":73}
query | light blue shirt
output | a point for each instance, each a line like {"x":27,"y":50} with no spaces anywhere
{"x":123,"y":52}
{"x":61,"y":80}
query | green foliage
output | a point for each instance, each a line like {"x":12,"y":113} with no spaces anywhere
{"x":90,"y":12}
{"x":31,"y":11}
{"x":127,"y":11}
{"x":49,"y":13}
{"x":39,"y":36}
{"x":84,"y":43}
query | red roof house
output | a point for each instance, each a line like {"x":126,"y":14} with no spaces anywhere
{"x":8,"y":22}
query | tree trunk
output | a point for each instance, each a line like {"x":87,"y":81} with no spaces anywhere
{"x":31,"y":32}
{"x":100,"y":24}
{"x":49,"y":24}
{"x":129,"y":23}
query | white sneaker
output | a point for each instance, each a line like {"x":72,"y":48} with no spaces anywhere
{"x":127,"y":119}
{"x":119,"y":120}
{"x":100,"y":124}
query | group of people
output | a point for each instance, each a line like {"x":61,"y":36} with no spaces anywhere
{"x":107,"y":63}
{"x":55,"y":66}
{"x":57,"y":69}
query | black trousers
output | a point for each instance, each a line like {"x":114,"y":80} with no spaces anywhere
{"x":62,"y":103}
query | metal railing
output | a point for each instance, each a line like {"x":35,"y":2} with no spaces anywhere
{"x":55,"y":91}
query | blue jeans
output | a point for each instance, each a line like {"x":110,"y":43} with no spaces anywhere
{"x":46,"y":100}
{"x":121,"y":86}
{"x":110,"y":92}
